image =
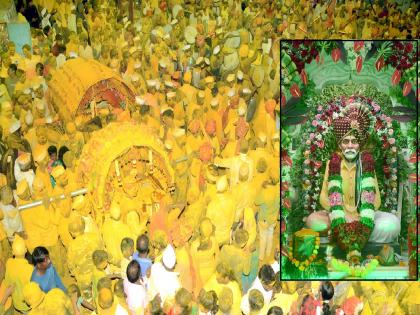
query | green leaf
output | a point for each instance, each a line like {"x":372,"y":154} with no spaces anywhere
{"x":404,"y":109}
{"x":294,"y":120}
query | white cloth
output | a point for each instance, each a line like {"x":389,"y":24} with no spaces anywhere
{"x":120,"y":310}
{"x":12,"y":221}
{"x":28,"y":175}
{"x":136,"y":295}
{"x":387,"y":228}
{"x":60,"y":60}
{"x":258,"y":286}
{"x":162,"y":281}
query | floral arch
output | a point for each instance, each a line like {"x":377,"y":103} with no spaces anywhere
{"x":385,"y":144}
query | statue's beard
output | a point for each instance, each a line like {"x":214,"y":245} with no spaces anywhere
{"x":350,"y":154}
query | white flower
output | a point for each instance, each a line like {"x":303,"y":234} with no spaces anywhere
{"x":317,"y":174}
{"x":315,"y":196}
{"x":393,"y":160}
{"x":394,"y":190}
{"x":306,"y":171}
{"x":336,"y":214}
{"x":313,"y":206}
{"x":368,"y":182}
{"x":319,"y":137}
{"x":393,"y":177}
{"x":334,"y":183}
{"x":335,"y":115}
{"x":316,"y":188}
{"x":368,"y":213}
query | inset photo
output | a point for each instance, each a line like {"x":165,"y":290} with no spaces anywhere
{"x":349,"y":160}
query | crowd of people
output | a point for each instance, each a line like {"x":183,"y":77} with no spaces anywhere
{"x":206,"y":77}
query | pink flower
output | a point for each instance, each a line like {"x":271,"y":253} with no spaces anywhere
{"x":391,"y":132}
{"x":308,"y":142}
{"x":321,"y":144}
{"x":314,"y":123}
{"x":318,"y":116}
{"x":307,"y":161}
{"x":368,"y":196}
{"x":319,"y":108}
{"x":335,"y":199}
{"x":311,"y":136}
{"x":376,"y":107}
{"x":391,"y":140}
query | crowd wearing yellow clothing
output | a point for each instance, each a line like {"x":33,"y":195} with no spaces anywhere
{"x":206,"y":77}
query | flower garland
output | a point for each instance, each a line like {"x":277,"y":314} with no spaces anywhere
{"x":302,"y":265}
{"x":354,"y":271}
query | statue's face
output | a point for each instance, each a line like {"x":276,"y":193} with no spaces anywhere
{"x":350,"y":147}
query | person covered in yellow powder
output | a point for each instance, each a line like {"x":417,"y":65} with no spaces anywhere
{"x":187,"y":91}
{"x":225,"y":278}
{"x":188,"y":275}
{"x":6,"y":117}
{"x":376,"y":297}
{"x":267,"y":200}
{"x":180,"y":163}
{"x":79,"y":254}
{"x":5,"y":250}
{"x":195,"y":209}
{"x":81,"y":205}
{"x":100,"y":260}
{"x":235,"y":255}
{"x":41,"y":159}
{"x":39,"y":222}
{"x":129,"y":198}
{"x":18,"y":273}
{"x":205,"y":251}
{"x":127,"y":251}
{"x":9,"y":215}
{"x":223,"y":199}
{"x":73,"y":139}
{"x":113,"y":232}
{"x":108,"y":303}
{"x":53,"y":302}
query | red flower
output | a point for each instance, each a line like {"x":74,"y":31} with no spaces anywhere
{"x":304,"y":77}
{"x":317,"y":164}
{"x":358,"y":45}
{"x":368,"y":162}
{"x":407,"y":88}
{"x":313,"y":148}
{"x":321,"y":144}
{"x":286,"y":203}
{"x":335,"y":164}
{"x":408,"y":47}
{"x":396,"y":77}
{"x":295,"y":91}
{"x":336,"y":54}
{"x":413,"y":177}
{"x":359,"y":64}
{"x":380,"y":63}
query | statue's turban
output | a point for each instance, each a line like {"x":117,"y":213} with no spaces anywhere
{"x":355,"y":118}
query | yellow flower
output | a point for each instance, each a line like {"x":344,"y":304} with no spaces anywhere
{"x":302,"y":268}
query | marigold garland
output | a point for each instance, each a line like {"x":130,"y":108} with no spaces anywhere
{"x":302,"y":265}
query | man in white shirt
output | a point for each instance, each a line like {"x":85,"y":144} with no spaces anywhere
{"x":23,"y":170}
{"x":163,"y":280}
{"x":135,"y":289}
{"x":263,"y":283}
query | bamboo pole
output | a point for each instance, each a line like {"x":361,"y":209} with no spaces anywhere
{"x":52,"y":199}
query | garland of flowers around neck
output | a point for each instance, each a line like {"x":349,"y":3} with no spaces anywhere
{"x":335,"y":191}
{"x":319,"y":135}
